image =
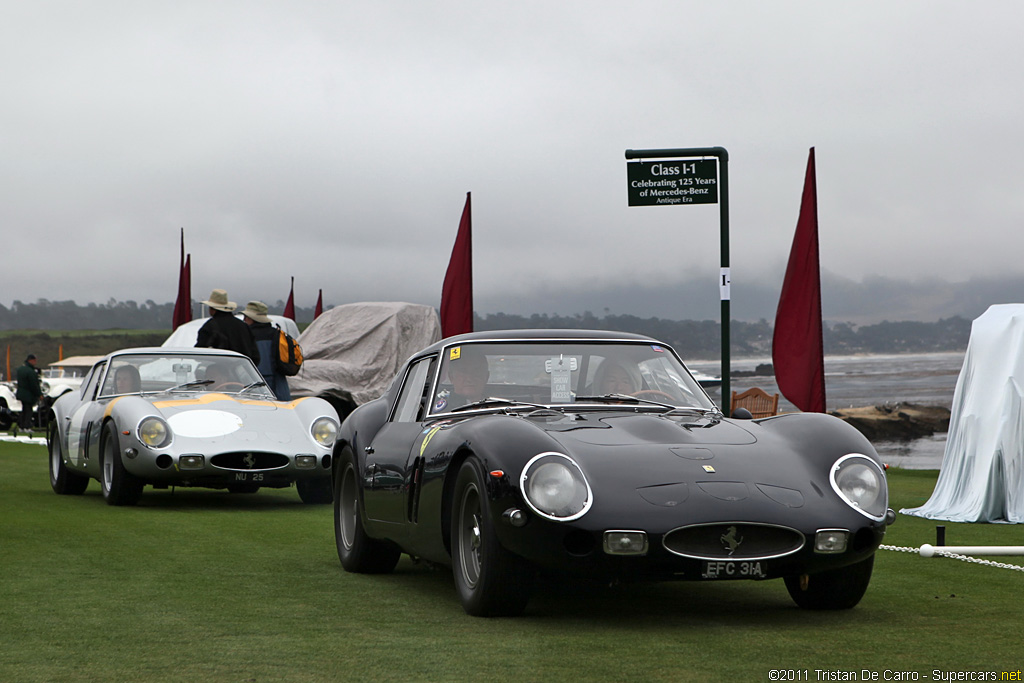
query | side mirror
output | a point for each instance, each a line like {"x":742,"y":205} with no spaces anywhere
{"x":742,"y":414}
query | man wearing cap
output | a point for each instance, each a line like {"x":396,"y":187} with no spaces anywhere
{"x":29,"y":390}
{"x":266,"y":336}
{"x":223,"y":330}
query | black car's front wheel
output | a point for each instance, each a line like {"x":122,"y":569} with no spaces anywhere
{"x":834,"y":589}
{"x":62,"y":480}
{"x":490,"y":580}
{"x":357,"y":551}
{"x":120,"y":487}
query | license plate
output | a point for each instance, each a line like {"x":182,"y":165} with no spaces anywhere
{"x":733,"y":569}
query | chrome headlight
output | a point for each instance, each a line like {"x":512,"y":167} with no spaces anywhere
{"x":861,"y":483}
{"x":554,"y":487}
{"x":154,"y":432}
{"x":324,"y":431}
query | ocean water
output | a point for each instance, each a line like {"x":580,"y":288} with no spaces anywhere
{"x":868,"y":380}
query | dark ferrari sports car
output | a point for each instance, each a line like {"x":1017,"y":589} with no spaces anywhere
{"x":511,"y":455}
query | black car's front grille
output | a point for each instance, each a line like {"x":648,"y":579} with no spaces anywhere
{"x":733,"y":541}
{"x":248,"y":461}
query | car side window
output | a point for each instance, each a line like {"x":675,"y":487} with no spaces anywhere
{"x":89,"y":387}
{"x":411,"y":400}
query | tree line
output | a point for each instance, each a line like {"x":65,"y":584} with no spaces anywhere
{"x":120,"y":315}
{"x":694,"y":339}
{"x":701,"y":339}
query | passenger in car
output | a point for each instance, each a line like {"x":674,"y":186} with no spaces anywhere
{"x":615,"y":378}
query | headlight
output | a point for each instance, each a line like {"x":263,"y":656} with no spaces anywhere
{"x":860,"y":482}
{"x":154,"y":432}
{"x":324,"y":431}
{"x":554,"y":487}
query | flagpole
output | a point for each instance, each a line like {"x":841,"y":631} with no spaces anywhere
{"x":723,"y":212}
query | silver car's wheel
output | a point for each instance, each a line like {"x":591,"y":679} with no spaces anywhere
{"x":62,"y":480}
{"x":357,"y":551}
{"x":490,"y":580}
{"x":315,"y":491}
{"x":119,"y":486}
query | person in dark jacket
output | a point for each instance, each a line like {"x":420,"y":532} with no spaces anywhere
{"x":267,"y":336}
{"x":223,"y":330}
{"x":29,"y":390}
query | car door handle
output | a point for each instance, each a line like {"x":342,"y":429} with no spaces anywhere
{"x":368,"y":450}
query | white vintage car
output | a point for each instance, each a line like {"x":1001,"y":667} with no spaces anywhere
{"x":167,"y":417}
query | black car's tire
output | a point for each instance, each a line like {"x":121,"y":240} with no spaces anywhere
{"x":120,"y":487}
{"x":835,"y":589}
{"x":318,"y":491}
{"x":357,"y":551}
{"x":62,"y":480}
{"x":491,"y":581}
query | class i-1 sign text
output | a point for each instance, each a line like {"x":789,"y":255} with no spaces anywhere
{"x":672,"y":182}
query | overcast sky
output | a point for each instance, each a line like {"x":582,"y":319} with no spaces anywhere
{"x":335,"y":142}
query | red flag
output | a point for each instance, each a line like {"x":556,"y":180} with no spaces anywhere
{"x":797,"y":347}
{"x":289,"y":308}
{"x":457,"y":291}
{"x":319,"y":305}
{"x":183,"y":304}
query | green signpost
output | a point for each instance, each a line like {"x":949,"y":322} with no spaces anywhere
{"x":698,"y":175}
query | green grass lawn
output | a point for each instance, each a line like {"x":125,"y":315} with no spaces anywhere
{"x":200,"y":585}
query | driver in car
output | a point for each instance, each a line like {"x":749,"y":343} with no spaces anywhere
{"x":469,"y":374}
{"x":220,"y":375}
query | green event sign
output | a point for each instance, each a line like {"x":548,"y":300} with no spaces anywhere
{"x":670,"y":182}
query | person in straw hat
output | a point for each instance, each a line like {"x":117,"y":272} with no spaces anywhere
{"x":266,"y":336}
{"x":223,"y":330}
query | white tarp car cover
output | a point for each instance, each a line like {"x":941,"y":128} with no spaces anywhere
{"x":981,"y":475}
{"x":359,"y":348}
{"x":186,"y":335}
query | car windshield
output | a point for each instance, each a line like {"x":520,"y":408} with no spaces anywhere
{"x":146,"y":373}
{"x":549,"y":373}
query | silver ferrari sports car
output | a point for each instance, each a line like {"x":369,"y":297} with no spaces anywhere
{"x":168,"y":417}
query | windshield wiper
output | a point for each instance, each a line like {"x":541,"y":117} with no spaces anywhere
{"x":194,"y":383}
{"x":714,"y":413}
{"x":253,"y":385}
{"x":494,"y":400}
{"x":619,"y":398}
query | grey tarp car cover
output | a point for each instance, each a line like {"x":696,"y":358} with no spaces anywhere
{"x":357,"y":349}
{"x":981,"y":476}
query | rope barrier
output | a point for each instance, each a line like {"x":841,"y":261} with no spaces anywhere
{"x":938,"y":551}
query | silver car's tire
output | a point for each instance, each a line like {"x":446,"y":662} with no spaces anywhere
{"x":62,"y":480}
{"x":315,"y":491}
{"x":120,"y":487}
{"x":835,"y":589}
{"x":490,"y":581}
{"x":357,"y":551}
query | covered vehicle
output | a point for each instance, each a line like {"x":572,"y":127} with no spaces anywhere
{"x":352,"y":352}
{"x":508,"y":455}
{"x":187,"y":417}
{"x":981,"y":478}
